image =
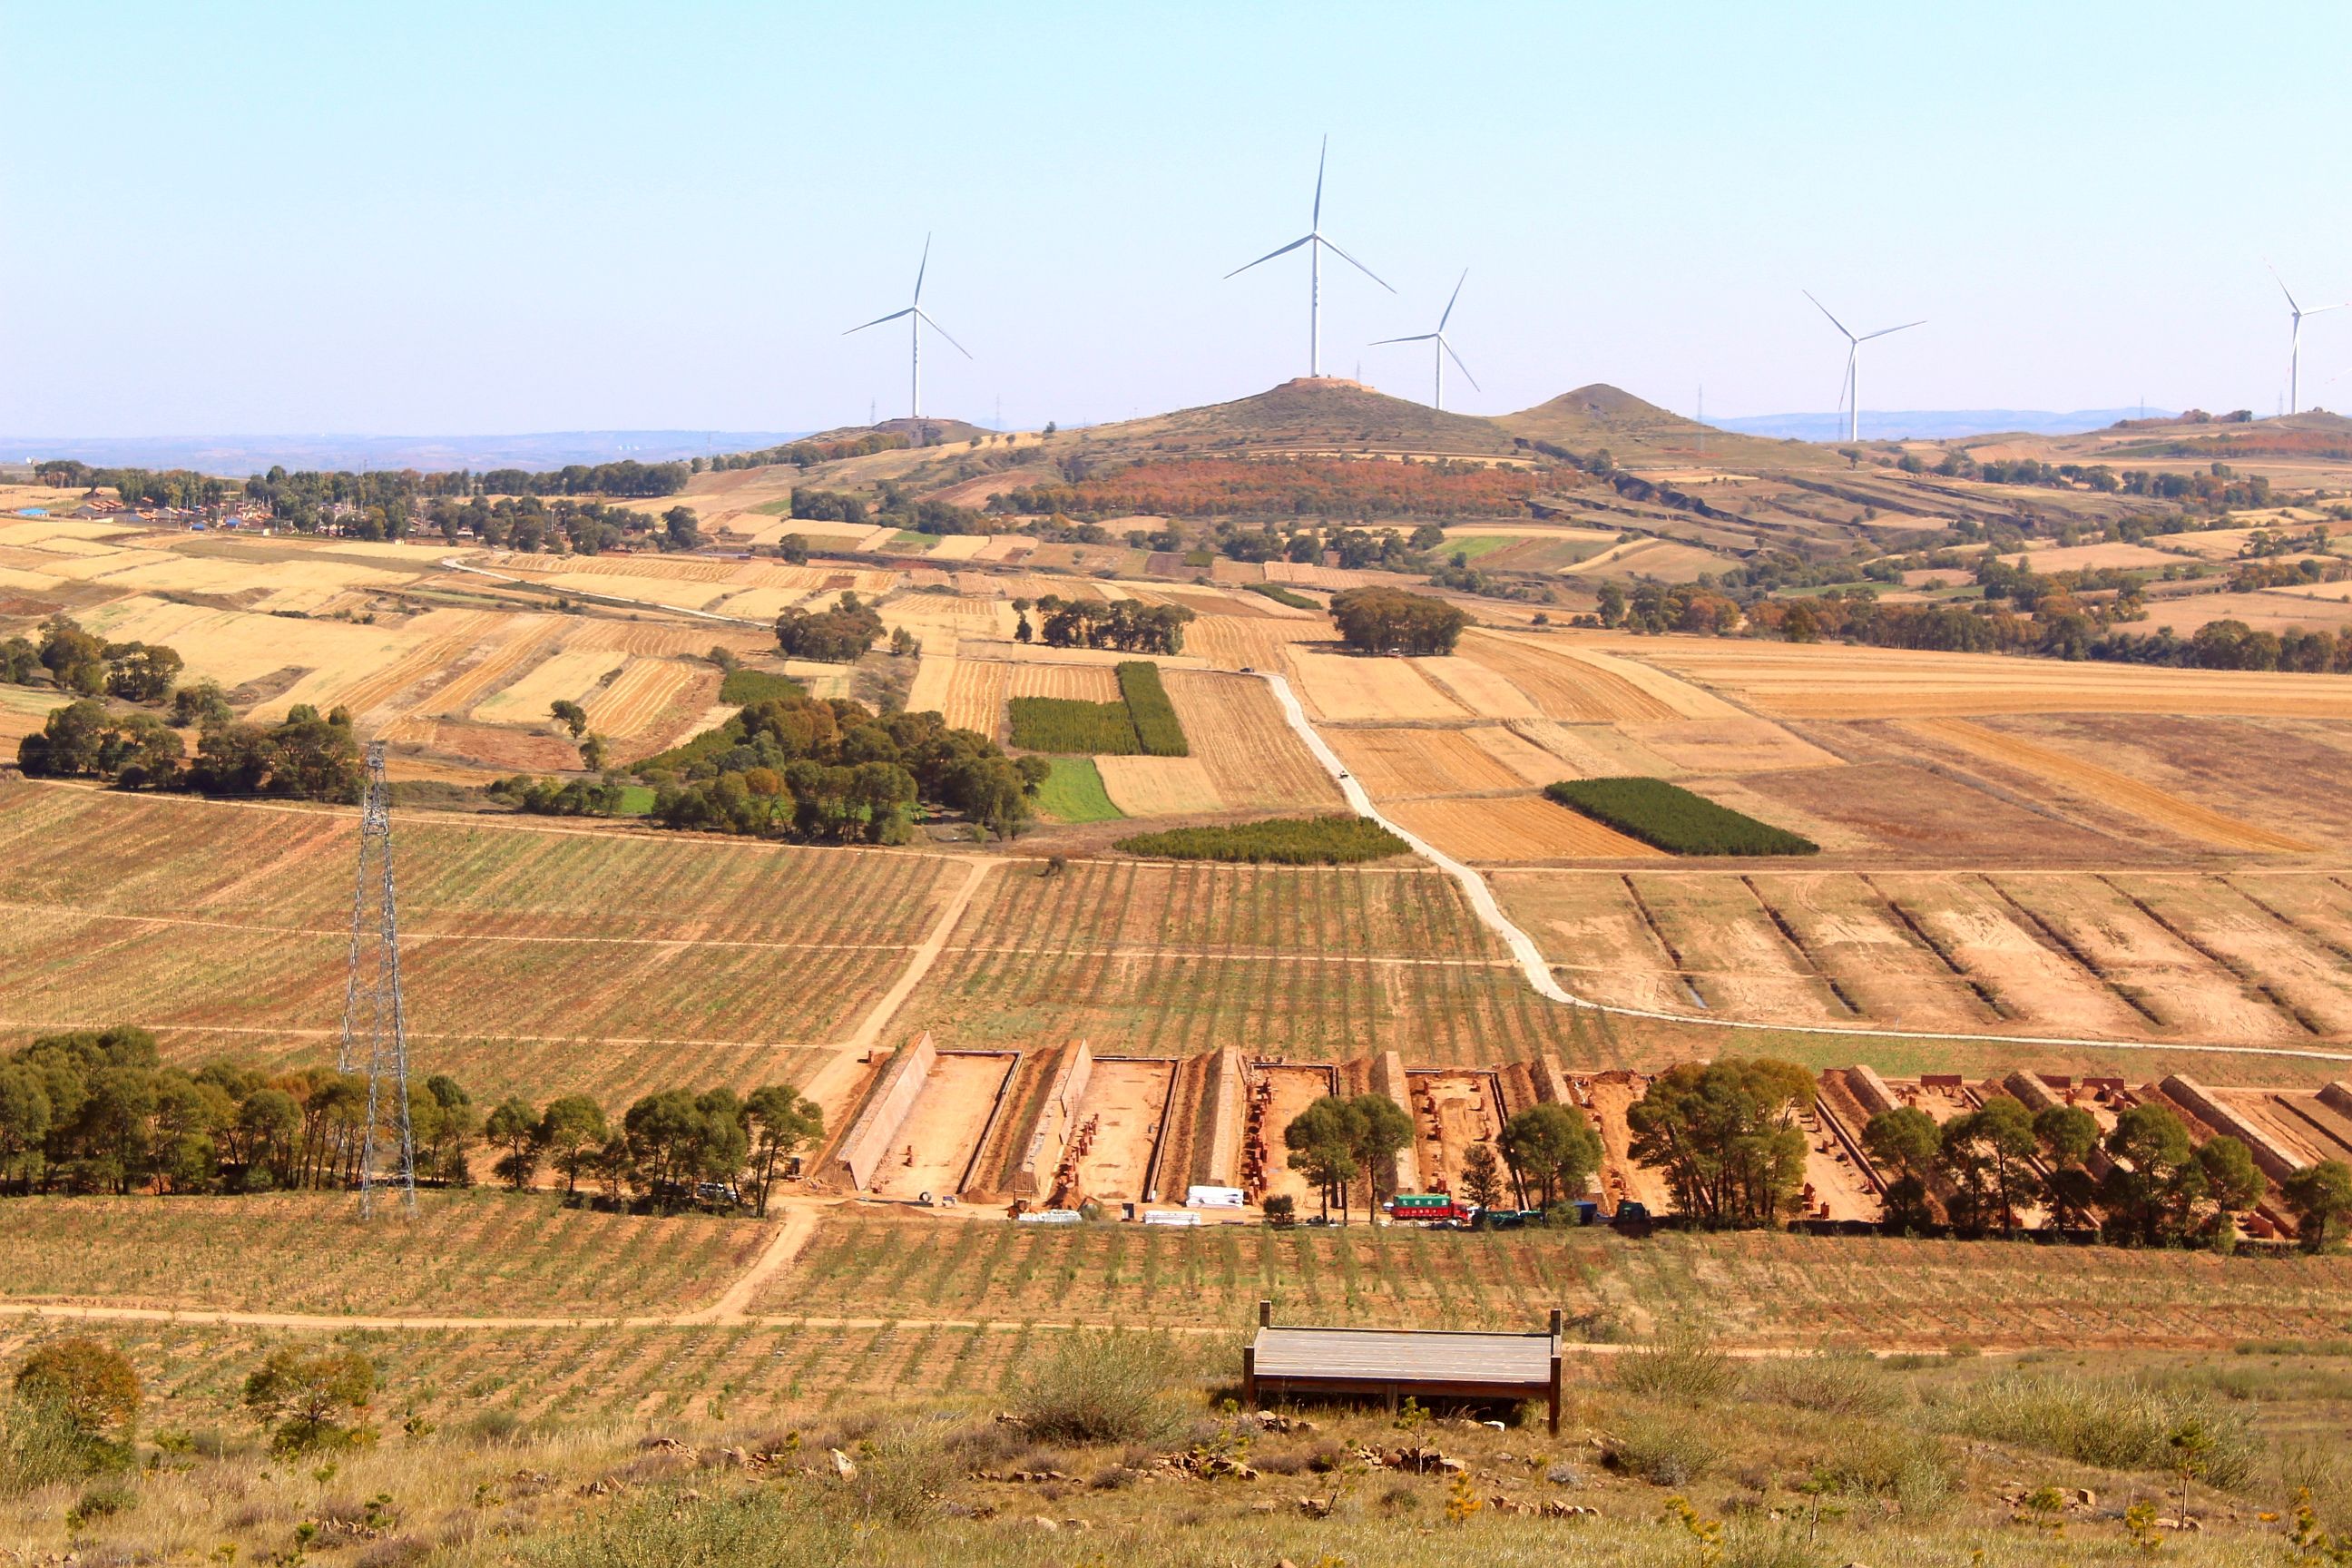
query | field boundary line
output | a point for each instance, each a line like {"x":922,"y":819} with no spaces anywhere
{"x":411,"y":938}
{"x":1538,"y":970}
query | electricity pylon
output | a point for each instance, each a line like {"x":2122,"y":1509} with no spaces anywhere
{"x":386,"y":1027}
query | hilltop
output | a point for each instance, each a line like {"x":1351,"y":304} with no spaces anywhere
{"x":1599,"y":415}
{"x":1321,"y":414}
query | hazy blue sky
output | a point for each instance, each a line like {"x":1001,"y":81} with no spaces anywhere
{"x":480,"y":217}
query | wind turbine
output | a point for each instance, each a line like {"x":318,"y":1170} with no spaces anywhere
{"x":2295,"y":343}
{"x":1442,"y":348}
{"x":917,"y":319}
{"x":1853,"y":390}
{"x":1315,"y":244}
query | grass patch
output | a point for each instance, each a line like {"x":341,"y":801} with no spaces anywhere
{"x":744,"y":687}
{"x":1154,"y":717}
{"x":1071,"y":727}
{"x":637,"y":800}
{"x":1282,"y":595}
{"x":1477,"y":546}
{"x":1073,"y":791}
{"x":912,"y":542}
{"x":1671,"y":818}
{"x":1278,"y":841}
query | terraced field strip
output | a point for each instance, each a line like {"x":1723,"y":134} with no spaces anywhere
{"x":1515,"y":827}
{"x":1403,"y":763}
{"x":2119,"y":790}
{"x":1343,"y":688}
{"x":531,"y":636}
{"x":636,"y":699}
{"x":975,"y":696}
{"x":1563,"y":685}
{"x":1240,"y":738}
{"x":1074,"y":682}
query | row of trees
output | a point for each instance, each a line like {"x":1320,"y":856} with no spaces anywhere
{"x":1291,"y":487}
{"x":72,"y":660}
{"x":306,"y":756}
{"x":669,"y":1145}
{"x":1549,"y":1152}
{"x":530,"y":525}
{"x":1390,"y":620}
{"x":1128,"y":626}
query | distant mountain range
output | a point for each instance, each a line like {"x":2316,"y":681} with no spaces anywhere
{"x":1933,"y":424}
{"x":239,"y":455}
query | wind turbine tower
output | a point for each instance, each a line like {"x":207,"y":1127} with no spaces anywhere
{"x":1851,"y":392}
{"x":2295,"y":342}
{"x":1440,"y":348}
{"x":917,"y":319}
{"x":1316,"y":245}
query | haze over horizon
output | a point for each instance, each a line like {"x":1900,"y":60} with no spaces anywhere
{"x":623,"y":236}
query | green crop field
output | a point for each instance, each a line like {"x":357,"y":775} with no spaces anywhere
{"x":744,"y":687}
{"x":1072,"y":727}
{"x":1073,"y":791}
{"x":1333,"y":840}
{"x":1673,"y":819}
{"x":1154,"y":717}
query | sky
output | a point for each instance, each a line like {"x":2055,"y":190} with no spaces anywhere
{"x":426,"y":218}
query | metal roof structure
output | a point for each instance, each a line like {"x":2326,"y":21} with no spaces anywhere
{"x":1390,"y":1365}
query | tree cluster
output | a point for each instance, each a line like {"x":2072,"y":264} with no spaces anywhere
{"x":838,"y":636}
{"x":1290,"y":487}
{"x":831,"y":771}
{"x":72,"y":660}
{"x":666,"y":1147}
{"x":1335,"y":1141}
{"x":807,"y":454}
{"x":1726,"y":1135}
{"x":1390,"y":620}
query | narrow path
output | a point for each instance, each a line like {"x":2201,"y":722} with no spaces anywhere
{"x":799,"y":1224}
{"x":1538,"y":970}
{"x":833,"y":1080}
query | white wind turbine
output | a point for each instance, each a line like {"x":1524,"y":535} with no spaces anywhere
{"x":1442,"y":348}
{"x":1853,"y":391}
{"x":917,"y":319}
{"x":1314,"y":243}
{"x":2295,"y":342}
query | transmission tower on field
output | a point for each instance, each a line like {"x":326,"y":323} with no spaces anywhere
{"x":378,"y":1001}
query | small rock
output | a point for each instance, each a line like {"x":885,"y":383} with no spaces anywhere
{"x":1564,"y":1475}
{"x":2086,"y":1498}
{"x":1075,"y":1524}
{"x":1042,"y":1522}
{"x":844,"y":1466}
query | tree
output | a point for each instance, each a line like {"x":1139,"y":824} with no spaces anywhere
{"x":1323,"y":1142}
{"x":1906,"y":1140}
{"x":2155,"y":1182}
{"x":309,"y":1401}
{"x":1726,"y":1133}
{"x":1553,"y":1146}
{"x":1987,"y":1152}
{"x":574,"y":717}
{"x":570,"y":1131}
{"x":2233,"y":1183}
{"x":1482,"y":1176}
{"x":794,"y":550}
{"x":1386,"y":1132}
{"x":683,"y":530}
{"x":592,"y":752}
{"x":24,"y":1113}
{"x":2067,"y":1135}
{"x":2321,"y":1198}
{"x":86,"y":1394}
{"x":781,"y":1120}
{"x":141,"y":672}
{"x":514,"y":1126}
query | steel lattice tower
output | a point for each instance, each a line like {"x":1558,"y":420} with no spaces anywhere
{"x":386,"y":1027}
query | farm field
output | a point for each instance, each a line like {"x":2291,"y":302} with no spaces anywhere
{"x":1252,"y":757}
{"x":1759,"y":1288}
{"x":2249,"y":958}
{"x":472,"y":1253}
{"x":208,"y":921}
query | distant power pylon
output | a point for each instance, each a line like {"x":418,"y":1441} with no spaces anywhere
{"x":386,"y":1025}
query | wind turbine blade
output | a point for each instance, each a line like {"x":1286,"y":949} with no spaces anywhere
{"x":879,"y":319}
{"x":925,"y":267}
{"x":1354,"y":263}
{"x":1459,"y":365}
{"x":1884,"y":330}
{"x":2286,"y":290}
{"x":1418,"y":338}
{"x":1271,"y":255}
{"x":925,"y":316}
{"x":2323,"y":309}
{"x":1320,"y":158}
{"x":1449,"y":305}
{"x":1825,"y":310}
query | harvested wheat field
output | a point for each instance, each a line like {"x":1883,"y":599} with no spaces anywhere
{"x":1567,"y":688}
{"x":1160,"y":787}
{"x":1344,"y":687}
{"x":1075,"y":682}
{"x":1729,"y":745}
{"x":1514,"y":828}
{"x":2168,"y":811}
{"x":1252,"y":757}
{"x":1403,"y":763}
{"x":1229,"y":641}
{"x":1833,"y":681}
{"x":975,"y":694}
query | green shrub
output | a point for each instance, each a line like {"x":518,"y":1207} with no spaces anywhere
{"x":1906,"y":1467}
{"x":1099,"y":1388}
{"x":1282,"y":595}
{"x":1156,"y":726}
{"x":744,"y":687}
{"x":1684,"y":1366}
{"x":682,"y":758}
{"x":1669,"y":817}
{"x":1663,"y":1450}
{"x":1279,"y":840}
{"x":772,"y":1527}
{"x":1833,"y":1382}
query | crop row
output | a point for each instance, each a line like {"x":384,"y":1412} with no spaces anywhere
{"x":1069,"y":727}
{"x":1671,"y":818}
{"x":1336,"y":840}
{"x":1157,"y":728}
